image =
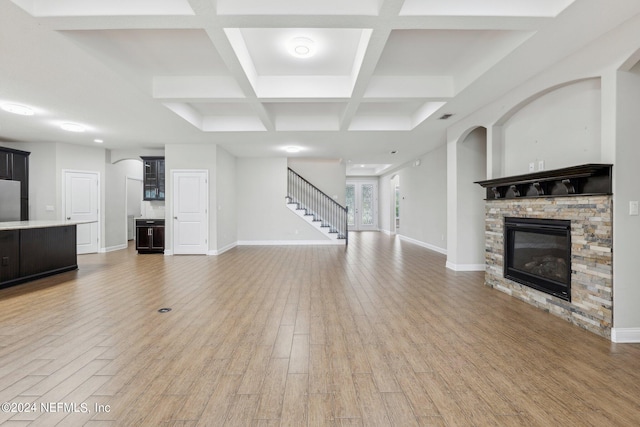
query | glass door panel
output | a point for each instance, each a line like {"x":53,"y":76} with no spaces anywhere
{"x":361,"y":198}
{"x":367,"y":204}
{"x":350,"y":201}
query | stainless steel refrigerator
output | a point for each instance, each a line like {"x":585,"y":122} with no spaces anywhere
{"x":9,"y":200}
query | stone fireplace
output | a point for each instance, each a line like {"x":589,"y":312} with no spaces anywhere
{"x":557,"y":200}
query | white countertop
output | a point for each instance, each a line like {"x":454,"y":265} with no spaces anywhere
{"x":21,"y":225}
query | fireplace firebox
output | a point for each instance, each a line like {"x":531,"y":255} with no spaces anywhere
{"x":537,"y":253}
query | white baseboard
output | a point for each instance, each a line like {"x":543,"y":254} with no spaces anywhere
{"x":113,"y":248}
{"x":168,"y":252}
{"x":625,"y":335}
{"x":466,"y":267}
{"x":424,"y":245}
{"x":289,"y":242}
{"x":223,"y":249}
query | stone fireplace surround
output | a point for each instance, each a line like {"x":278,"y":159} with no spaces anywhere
{"x":591,"y":219}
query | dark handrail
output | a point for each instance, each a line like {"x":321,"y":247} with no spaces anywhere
{"x":316,"y":188}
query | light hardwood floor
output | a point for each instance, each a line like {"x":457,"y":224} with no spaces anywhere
{"x":379,"y":333}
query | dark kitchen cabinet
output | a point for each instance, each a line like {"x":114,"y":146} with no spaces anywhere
{"x":31,"y":253}
{"x":150,"y":235}
{"x":9,"y":255}
{"x":14,"y":165}
{"x":153,"y":177}
{"x":5,"y":164}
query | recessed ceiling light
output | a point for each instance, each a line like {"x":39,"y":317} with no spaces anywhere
{"x":18,"y":109}
{"x":292,"y":149}
{"x":361,"y":166}
{"x":302,"y":47}
{"x":98,"y":141}
{"x":72,"y":127}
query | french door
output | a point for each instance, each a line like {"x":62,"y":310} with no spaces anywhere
{"x":362,"y":202}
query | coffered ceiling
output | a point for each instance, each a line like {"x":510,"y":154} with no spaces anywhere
{"x":370,"y":76}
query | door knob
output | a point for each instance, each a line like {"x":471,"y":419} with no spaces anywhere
{"x":68,"y":218}
{"x":175,"y":217}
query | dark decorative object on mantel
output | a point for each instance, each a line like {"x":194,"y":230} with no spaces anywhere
{"x":589,"y":179}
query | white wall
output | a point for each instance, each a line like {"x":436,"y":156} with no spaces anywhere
{"x":423,"y":200}
{"x":190,"y":156}
{"x":329,"y":175}
{"x":626,"y":231}
{"x":116,"y":195}
{"x":262,"y":212}
{"x":384,"y":202}
{"x":227,"y":200}
{"x":562,"y":128}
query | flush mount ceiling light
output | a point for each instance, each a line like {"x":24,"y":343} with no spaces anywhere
{"x":98,"y":141}
{"x":72,"y":127}
{"x":302,"y":47}
{"x":292,"y":149}
{"x":18,"y":109}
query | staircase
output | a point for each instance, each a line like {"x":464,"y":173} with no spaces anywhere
{"x":318,"y":209}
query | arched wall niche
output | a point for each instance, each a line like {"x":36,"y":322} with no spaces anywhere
{"x":554,"y":128}
{"x":467,"y":158}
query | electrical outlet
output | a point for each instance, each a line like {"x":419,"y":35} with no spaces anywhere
{"x":540,"y":165}
{"x":532,"y":167}
{"x":633,"y":208}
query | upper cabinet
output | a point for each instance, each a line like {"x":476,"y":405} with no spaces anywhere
{"x":14,"y":165}
{"x":154,"y":182}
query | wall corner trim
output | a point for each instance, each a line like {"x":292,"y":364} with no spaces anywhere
{"x":288,"y":242}
{"x":465,"y":267}
{"x":423,"y":244}
{"x":112,"y":248}
{"x":625,"y":335}
{"x":222,"y":249}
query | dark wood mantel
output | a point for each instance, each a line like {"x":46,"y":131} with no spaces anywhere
{"x":589,"y":179}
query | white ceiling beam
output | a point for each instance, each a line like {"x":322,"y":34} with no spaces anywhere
{"x":377,"y":41}
{"x":381,"y":87}
{"x":200,"y":20}
{"x":196,"y":87}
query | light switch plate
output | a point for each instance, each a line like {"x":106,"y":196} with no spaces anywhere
{"x":540,"y":165}
{"x":633,"y":207}
{"x":532,"y":167}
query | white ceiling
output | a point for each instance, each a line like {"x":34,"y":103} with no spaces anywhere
{"x":146,"y":74}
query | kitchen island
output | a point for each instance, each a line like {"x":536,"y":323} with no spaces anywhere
{"x":30,"y":250}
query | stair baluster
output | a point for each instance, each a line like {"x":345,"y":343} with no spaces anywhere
{"x":317,"y":204}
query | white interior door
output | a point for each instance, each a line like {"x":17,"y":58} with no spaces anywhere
{"x":362,"y":202}
{"x":82,"y":195}
{"x":190,"y":214}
